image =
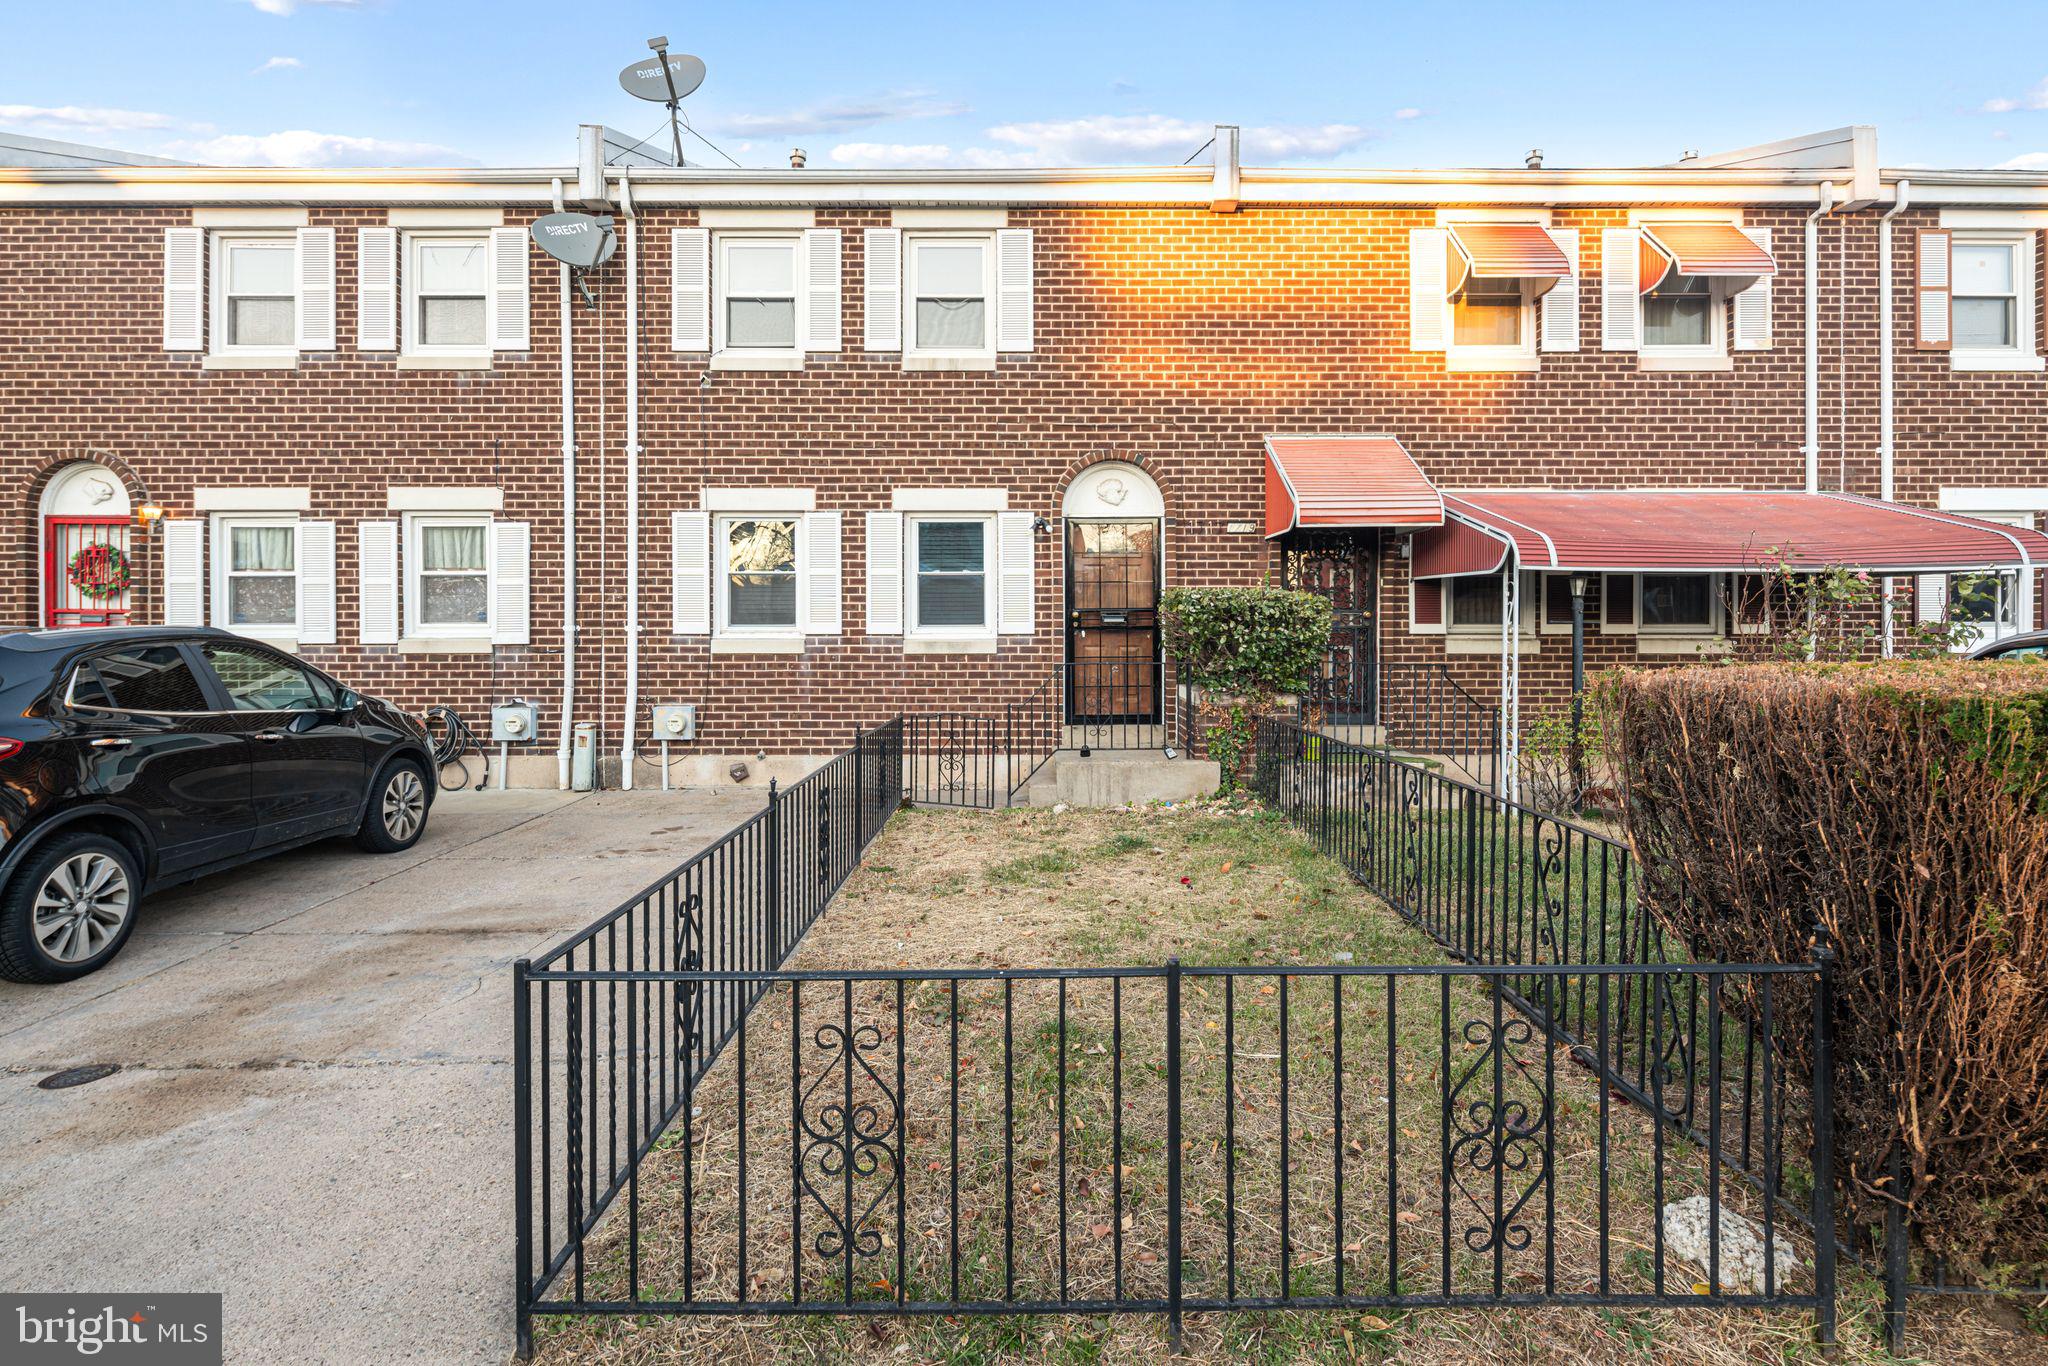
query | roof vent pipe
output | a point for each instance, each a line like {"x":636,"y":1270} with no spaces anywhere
{"x":1534,"y":161}
{"x":797,"y":158}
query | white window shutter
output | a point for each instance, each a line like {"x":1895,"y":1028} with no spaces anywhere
{"x":376,"y":289}
{"x":377,"y":583}
{"x":1426,"y":285}
{"x":689,"y":290}
{"x":690,"y":572}
{"x":882,"y":289}
{"x":885,"y":574}
{"x":313,"y":312}
{"x":1621,"y":302}
{"x":184,"y":571}
{"x":1930,"y":599}
{"x":822,"y":286}
{"x":1016,"y":608}
{"x":511,"y":555}
{"x":820,"y":610}
{"x":1752,"y":321}
{"x":184,"y":289}
{"x":1932,"y":330}
{"x":511,"y":321}
{"x":316,"y":582}
{"x":1013,"y":289}
{"x":1560,"y":328}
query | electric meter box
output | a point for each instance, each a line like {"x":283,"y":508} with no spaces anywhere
{"x":512,"y":723}
{"x":675,"y":721}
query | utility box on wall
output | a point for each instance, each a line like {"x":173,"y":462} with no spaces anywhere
{"x":675,"y":722}
{"x":512,"y":723}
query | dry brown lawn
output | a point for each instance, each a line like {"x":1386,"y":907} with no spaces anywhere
{"x":1213,"y":885}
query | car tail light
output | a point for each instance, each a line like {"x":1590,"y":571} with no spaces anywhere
{"x":9,"y":748}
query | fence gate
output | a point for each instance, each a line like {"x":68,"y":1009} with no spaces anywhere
{"x":950,"y":759}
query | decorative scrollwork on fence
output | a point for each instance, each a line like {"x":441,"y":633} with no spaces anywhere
{"x":1411,"y":847}
{"x":1551,"y":844}
{"x":847,"y":1141}
{"x":1500,"y":1114}
{"x":689,"y":957}
{"x":825,"y":835}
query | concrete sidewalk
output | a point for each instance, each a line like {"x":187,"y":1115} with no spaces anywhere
{"x":313,"y":1114}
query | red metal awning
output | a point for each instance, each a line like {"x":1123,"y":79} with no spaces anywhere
{"x":1503,"y":251}
{"x":1700,"y":249}
{"x":1715,"y":530}
{"x":1346,"y":481}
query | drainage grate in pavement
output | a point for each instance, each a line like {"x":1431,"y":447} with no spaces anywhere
{"x":78,"y":1076}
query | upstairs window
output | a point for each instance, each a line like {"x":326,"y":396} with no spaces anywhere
{"x":1987,"y":295}
{"x":447,"y":279}
{"x":757,"y":293}
{"x":1680,"y":311}
{"x":1489,"y":313}
{"x":253,"y":294}
{"x":951,"y":283}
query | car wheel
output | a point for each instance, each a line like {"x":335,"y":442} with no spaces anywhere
{"x":68,"y":910}
{"x":398,"y":810}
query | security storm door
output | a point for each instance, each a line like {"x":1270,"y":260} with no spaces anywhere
{"x":1113,"y":672}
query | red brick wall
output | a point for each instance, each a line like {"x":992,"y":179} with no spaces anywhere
{"x":1175,"y":338}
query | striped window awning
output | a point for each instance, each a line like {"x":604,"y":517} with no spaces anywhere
{"x":1503,"y":251}
{"x":1346,"y":481}
{"x":1713,"y":249}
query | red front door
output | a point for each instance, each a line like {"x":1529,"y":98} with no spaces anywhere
{"x":79,"y":557}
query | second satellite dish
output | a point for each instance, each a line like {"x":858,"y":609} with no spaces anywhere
{"x":643,"y":79}
{"x":575,"y":239}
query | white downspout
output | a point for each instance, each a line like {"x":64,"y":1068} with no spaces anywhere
{"x":627,"y":732}
{"x":1887,"y":484}
{"x":1826,"y":206}
{"x":568,"y":526}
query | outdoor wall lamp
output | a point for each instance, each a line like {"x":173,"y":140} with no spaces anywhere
{"x":149,"y":513}
{"x":1040,"y":525}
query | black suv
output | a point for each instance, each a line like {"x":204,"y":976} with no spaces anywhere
{"x":136,"y":758}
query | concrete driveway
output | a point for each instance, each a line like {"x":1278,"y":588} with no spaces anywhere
{"x":313,"y":1115}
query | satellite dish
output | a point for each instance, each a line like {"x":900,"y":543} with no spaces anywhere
{"x":643,"y":80}
{"x":578,"y":240}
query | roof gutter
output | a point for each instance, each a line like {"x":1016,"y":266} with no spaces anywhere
{"x":1825,"y":207}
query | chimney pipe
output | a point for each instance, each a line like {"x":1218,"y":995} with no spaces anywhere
{"x":797,"y":157}
{"x":1534,"y":161}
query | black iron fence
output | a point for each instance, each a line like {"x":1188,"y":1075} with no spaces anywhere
{"x":601,"y":1068}
{"x":1171,"y":1139}
{"x":952,"y":759}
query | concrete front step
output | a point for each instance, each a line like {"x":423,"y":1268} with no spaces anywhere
{"x":1118,"y":778}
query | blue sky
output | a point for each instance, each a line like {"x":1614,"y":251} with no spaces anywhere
{"x":504,"y":82}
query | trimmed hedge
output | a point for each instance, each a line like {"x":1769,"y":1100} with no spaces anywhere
{"x":1903,"y":807}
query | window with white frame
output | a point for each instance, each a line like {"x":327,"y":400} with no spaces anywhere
{"x":1992,"y":296}
{"x":950,"y":281}
{"x":447,"y":575}
{"x":1678,"y":604}
{"x":758,"y":573}
{"x":1474,"y":603}
{"x":447,"y":286}
{"x":756,"y":276}
{"x":253,"y":295}
{"x":952,"y":591}
{"x":1683,"y":316}
{"x":1492,"y":315}
{"x":256,"y":575}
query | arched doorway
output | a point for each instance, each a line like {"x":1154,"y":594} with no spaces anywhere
{"x":1114,"y":514}
{"x":85,"y":521}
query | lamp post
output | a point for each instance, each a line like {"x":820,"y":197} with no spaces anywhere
{"x":1578,"y":586}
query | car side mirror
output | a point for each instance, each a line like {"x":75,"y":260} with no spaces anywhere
{"x":350,"y":700}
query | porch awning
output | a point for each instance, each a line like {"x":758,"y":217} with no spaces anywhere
{"x":1503,"y":251}
{"x":1345,"y":481}
{"x":1712,"y":531}
{"x":1701,"y":249}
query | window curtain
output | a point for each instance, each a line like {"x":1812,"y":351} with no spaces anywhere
{"x":452,"y":549}
{"x":263,"y":549}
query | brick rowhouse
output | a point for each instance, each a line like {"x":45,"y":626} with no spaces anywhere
{"x":1176,"y":318}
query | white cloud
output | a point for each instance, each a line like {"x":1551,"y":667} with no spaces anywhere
{"x":86,"y":121}
{"x":286,"y":7}
{"x":904,"y":154}
{"x":2031,"y":161}
{"x":300,"y":147}
{"x":841,"y":116}
{"x":1411,"y":112}
{"x":2037,"y":98}
{"x":1158,"y":139}
{"x":278,"y":64}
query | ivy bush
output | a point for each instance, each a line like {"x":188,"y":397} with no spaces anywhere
{"x":1902,"y":807}
{"x":1251,"y":642}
